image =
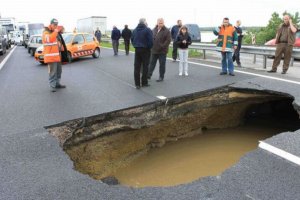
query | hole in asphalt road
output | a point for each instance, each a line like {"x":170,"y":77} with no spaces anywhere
{"x":164,"y":144}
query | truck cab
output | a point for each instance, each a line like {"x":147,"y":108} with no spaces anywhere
{"x":33,"y":29}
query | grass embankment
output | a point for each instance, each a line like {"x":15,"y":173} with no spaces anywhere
{"x":193,"y":53}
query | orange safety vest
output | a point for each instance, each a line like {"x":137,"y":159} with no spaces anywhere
{"x":228,"y":37}
{"x":51,"y":47}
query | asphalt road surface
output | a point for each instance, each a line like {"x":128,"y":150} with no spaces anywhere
{"x":33,"y":166}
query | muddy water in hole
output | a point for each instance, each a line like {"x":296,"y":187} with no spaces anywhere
{"x":208,"y":154}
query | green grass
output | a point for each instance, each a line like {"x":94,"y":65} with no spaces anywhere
{"x":193,"y":53}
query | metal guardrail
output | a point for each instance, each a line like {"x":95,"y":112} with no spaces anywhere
{"x":265,"y":51}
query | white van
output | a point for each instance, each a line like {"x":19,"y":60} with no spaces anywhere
{"x":17,"y":37}
{"x":34,"y":42}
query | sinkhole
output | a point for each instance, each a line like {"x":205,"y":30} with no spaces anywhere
{"x":178,"y":140}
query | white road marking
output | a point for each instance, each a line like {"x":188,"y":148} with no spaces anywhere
{"x":6,"y":58}
{"x":250,"y":73}
{"x":279,"y":152}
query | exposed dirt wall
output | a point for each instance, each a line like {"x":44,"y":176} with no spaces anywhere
{"x":98,"y":145}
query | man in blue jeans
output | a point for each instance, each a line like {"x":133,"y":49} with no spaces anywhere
{"x":227,"y":39}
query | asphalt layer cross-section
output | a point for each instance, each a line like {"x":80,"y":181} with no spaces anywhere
{"x":33,"y":166}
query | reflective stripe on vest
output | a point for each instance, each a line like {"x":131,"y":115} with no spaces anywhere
{"x":51,"y":47}
{"x":50,"y":44}
{"x":224,"y":49}
{"x":52,"y":54}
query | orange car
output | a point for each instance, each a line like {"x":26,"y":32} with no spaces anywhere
{"x":78,"y":45}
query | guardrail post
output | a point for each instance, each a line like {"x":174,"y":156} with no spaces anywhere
{"x":265,"y":62}
{"x":254,"y":58}
{"x":204,"y":54}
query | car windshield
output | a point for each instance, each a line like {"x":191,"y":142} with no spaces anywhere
{"x":298,"y":34}
{"x":68,"y":38}
{"x":35,"y":31}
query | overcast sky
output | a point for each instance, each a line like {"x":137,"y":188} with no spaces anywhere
{"x":120,"y":12}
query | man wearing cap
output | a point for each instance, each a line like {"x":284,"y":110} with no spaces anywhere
{"x":52,"y":42}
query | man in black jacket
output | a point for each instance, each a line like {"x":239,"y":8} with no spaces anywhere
{"x":98,"y":34}
{"x":236,"y":55}
{"x":115,"y":36}
{"x":174,"y":32}
{"x":142,"y":40}
{"x":126,"y":35}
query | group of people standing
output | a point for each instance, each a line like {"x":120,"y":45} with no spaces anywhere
{"x":116,"y":34}
{"x":230,"y":40}
{"x":153,"y":45}
{"x":150,"y":46}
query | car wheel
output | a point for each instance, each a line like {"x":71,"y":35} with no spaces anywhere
{"x":4,"y":51}
{"x":70,"y":57}
{"x":96,"y":53}
{"x":31,"y":52}
{"x":42,"y":62}
{"x":28,"y":50}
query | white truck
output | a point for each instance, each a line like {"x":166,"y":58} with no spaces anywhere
{"x":16,"y":37}
{"x":23,"y":28}
{"x":33,"y":29}
{"x":90,"y":24}
{"x":9,"y":23}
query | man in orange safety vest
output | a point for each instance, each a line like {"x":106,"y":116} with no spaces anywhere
{"x":53,"y":48}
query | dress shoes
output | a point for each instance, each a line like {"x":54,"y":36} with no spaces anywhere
{"x":160,"y":80}
{"x":59,"y":86}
